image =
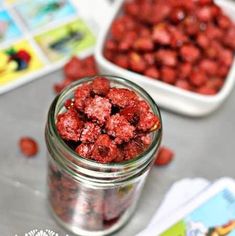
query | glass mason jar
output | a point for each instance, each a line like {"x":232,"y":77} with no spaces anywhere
{"x":87,"y":197}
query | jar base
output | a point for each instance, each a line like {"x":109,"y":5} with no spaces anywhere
{"x":123,"y":220}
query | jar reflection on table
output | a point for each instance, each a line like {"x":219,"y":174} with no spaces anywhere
{"x":90,"y":198}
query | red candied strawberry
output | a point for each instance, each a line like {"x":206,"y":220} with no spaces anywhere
{"x":144,"y":32}
{"x":214,"y":49}
{"x":127,"y":41}
{"x":72,"y":68}
{"x":133,"y":149}
{"x":108,"y":54}
{"x":69,"y":125}
{"x":118,"y":127}
{"x":215,"y":83}
{"x":100,"y":86}
{"x":111,"y":45}
{"x":185,"y":70}
{"x":178,"y":37}
{"x":90,"y":132}
{"x":28,"y":146}
{"x":229,"y":38}
{"x":210,"y":67}
{"x":189,"y":53}
{"x":131,"y":113}
{"x":121,"y":60}
{"x":205,"y":90}
{"x":213,"y":32}
{"x":223,"y":72}
{"x":177,"y":15}
{"x":24,"y":55}
{"x":137,"y":62}
{"x":143,"y":44}
{"x":143,"y":106}
{"x":226,"y":57}
{"x":168,"y":75}
{"x":149,"y":58}
{"x":152,"y":72}
{"x":122,"y":97}
{"x":82,"y":93}
{"x":85,"y":150}
{"x":161,"y":35}
{"x":131,"y":8}
{"x":205,"y":14}
{"x":89,"y":66}
{"x":119,"y":156}
{"x":164,"y":156}
{"x":159,"y":12}
{"x":77,"y":68}
{"x":146,"y":139}
{"x":202,"y":40}
{"x":184,"y":84}
{"x":191,"y":25}
{"x":166,"y":57}
{"x":198,"y":78}
{"x":98,"y":109}
{"x":121,"y":25}
{"x":104,"y":150}
{"x":148,"y":121}
{"x":224,"y":22}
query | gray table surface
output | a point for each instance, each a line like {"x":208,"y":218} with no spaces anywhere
{"x":204,"y":148}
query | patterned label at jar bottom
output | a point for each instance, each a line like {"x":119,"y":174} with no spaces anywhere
{"x":47,"y":232}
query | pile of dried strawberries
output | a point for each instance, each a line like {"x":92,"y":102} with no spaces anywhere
{"x":76,"y":69}
{"x":185,"y":43}
{"x":107,"y":124}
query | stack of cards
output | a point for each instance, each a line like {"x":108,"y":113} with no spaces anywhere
{"x":209,"y":210}
{"x":37,"y":36}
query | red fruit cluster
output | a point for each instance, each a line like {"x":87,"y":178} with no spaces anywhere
{"x":76,"y":69}
{"x":104,"y":124}
{"x":185,"y":43}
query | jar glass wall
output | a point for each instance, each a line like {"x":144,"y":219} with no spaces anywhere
{"x":87,"y":197}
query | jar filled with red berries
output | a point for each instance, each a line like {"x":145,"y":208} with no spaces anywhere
{"x":102,"y":135}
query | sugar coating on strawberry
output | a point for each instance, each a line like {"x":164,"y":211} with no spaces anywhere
{"x":85,"y":150}
{"x":118,"y":127}
{"x":100,"y":86}
{"x":90,"y":132}
{"x":121,"y":97}
{"x":69,"y":125}
{"x":104,"y":149}
{"x":98,"y":109}
{"x":80,"y":95}
{"x":148,"y":121}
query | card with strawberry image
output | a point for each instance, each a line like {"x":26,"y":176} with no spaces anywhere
{"x":66,"y":40}
{"x":8,"y":28}
{"x":17,"y":61}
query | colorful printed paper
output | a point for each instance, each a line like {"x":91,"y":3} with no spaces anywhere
{"x":66,"y":40}
{"x":39,"y":13}
{"x":17,"y":61}
{"x":8,"y":28}
{"x":51,"y":30}
{"x":216,"y":217}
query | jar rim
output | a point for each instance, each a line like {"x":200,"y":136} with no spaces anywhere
{"x":53,"y":112}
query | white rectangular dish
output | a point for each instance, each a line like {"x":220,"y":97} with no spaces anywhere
{"x":165,"y":95}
